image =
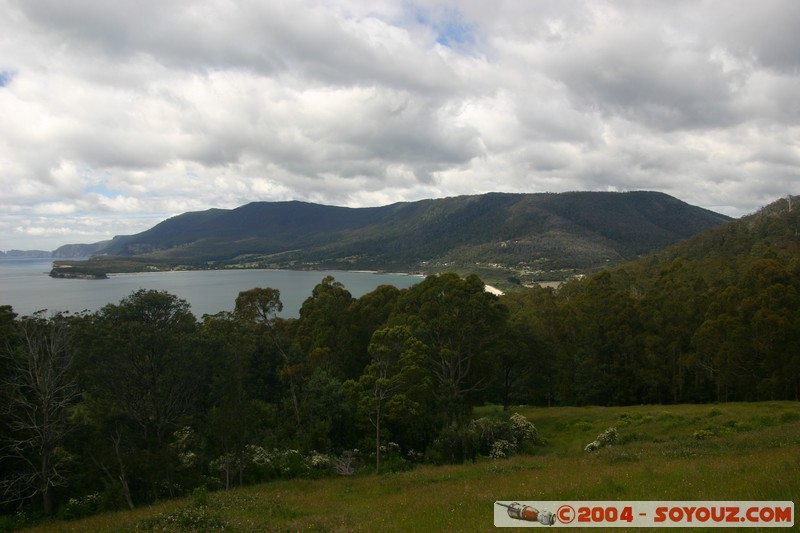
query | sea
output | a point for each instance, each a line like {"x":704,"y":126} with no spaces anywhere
{"x":26,"y":286}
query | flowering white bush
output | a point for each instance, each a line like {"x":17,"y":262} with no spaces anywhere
{"x":522,"y":428}
{"x":80,"y":507}
{"x":606,"y":438}
{"x":259,"y":456}
{"x":183,"y":439}
{"x":502,"y":449}
{"x":320,"y":461}
{"x":415,"y":456}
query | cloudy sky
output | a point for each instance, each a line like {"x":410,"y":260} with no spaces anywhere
{"x":117,"y":114}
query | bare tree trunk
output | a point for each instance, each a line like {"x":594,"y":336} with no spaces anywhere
{"x":123,"y":477}
{"x":47,"y":496}
{"x":378,"y":438}
{"x":41,"y":391}
{"x":116,"y":439}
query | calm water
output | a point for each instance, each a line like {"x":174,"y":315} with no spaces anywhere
{"x":25,"y":285}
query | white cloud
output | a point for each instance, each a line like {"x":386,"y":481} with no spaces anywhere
{"x":128,"y":112}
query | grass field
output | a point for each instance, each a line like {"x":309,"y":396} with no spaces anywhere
{"x":739,"y":451}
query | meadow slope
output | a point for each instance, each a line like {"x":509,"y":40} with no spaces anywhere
{"x":736,"y":451}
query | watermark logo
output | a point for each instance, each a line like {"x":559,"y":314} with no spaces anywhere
{"x":632,"y":514}
{"x":526,"y":513}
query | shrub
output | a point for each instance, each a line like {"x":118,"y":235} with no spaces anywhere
{"x":522,"y":429}
{"x":592,"y":446}
{"x":502,"y":449}
{"x":487,"y":431}
{"x":606,"y":438}
{"x":79,"y":507}
{"x":17,"y":521}
{"x":454,"y":445}
{"x":347,"y":464}
{"x":493,"y":437}
{"x":290,"y":464}
{"x":762,"y":420}
{"x":627,"y":419}
{"x":200,"y":496}
{"x":392,"y":460}
{"x":702,"y":434}
{"x":319,"y":461}
{"x":264,"y":464}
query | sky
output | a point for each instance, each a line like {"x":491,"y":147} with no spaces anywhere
{"x":117,"y":115}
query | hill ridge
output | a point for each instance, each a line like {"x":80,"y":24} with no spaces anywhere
{"x":519,"y":232}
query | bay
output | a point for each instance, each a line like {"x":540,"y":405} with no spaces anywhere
{"x":26,"y":286}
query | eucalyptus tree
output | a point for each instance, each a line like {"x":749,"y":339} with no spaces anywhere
{"x":142,"y":362}
{"x":327,"y":331}
{"x":394,"y":382}
{"x":260,"y":306}
{"x":525,"y":366}
{"x":143,"y":380}
{"x":368,"y":314}
{"x":39,"y":393}
{"x":233,"y":419}
{"x":462,"y":324}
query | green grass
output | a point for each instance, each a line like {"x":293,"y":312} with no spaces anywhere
{"x":686,"y":452}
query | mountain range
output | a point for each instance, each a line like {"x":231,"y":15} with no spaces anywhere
{"x":533,"y":236}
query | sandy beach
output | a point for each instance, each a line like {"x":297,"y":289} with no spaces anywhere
{"x":493,"y":290}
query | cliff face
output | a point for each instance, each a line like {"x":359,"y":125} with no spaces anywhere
{"x":73,"y":251}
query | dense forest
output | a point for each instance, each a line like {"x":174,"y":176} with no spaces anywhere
{"x":142,"y":401}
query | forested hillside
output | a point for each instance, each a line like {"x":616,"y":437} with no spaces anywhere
{"x":140,"y":401}
{"x":715,"y":318}
{"x":523,"y":236}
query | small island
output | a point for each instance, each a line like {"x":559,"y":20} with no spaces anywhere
{"x":68,"y":271}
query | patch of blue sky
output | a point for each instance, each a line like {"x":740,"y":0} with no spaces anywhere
{"x":449,"y":24}
{"x":5,"y":77}
{"x":455,"y":33}
{"x":102,"y":190}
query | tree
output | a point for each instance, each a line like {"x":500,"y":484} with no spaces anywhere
{"x":143,"y":380}
{"x":526,"y":367}
{"x":261,"y":306}
{"x":327,"y":421}
{"x":233,"y":419}
{"x":461,"y":324}
{"x":368,"y":314}
{"x":672,"y":311}
{"x":603,"y":334}
{"x":327,"y":332}
{"x":143,"y":362}
{"x":392,"y":378}
{"x":40,"y":389}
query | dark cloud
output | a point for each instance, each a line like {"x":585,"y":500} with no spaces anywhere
{"x":764,"y":32}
